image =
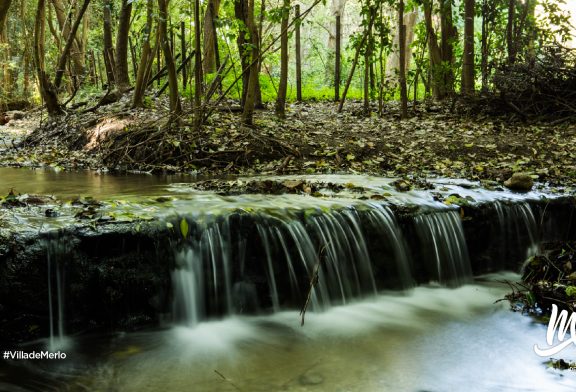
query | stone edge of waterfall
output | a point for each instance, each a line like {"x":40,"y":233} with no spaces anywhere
{"x":118,"y":275}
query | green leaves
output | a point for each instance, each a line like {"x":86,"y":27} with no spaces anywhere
{"x":184,"y":227}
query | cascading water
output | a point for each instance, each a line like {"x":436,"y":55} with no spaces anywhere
{"x":243,"y":262}
{"x":443,"y":247}
{"x":518,"y":228}
{"x":56,"y":252}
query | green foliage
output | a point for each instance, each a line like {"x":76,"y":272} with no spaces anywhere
{"x":184,"y":227}
{"x":571,"y":291}
{"x":532,"y":33}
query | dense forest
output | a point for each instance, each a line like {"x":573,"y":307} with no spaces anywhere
{"x":268,"y":51}
{"x":183,"y":66}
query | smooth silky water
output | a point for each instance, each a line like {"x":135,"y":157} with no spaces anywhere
{"x":428,"y":338}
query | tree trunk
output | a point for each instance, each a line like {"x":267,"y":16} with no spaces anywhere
{"x":468,"y":55}
{"x":197,"y":67}
{"x":366,"y":83}
{"x":175,"y":108}
{"x":47,"y":90}
{"x":253,"y":52}
{"x":337,"y":58}
{"x":392,"y":64}
{"x":402,"y":65}
{"x":484,"y":46}
{"x":4,"y":7}
{"x":210,"y":37}
{"x":241,"y":13}
{"x":109,"y":61}
{"x":64,"y":21}
{"x":69,"y":42}
{"x":283,"y":85}
{"x":511,"y":45}
{"x":448,"y":38}
{"x":436,"y":67}
{"x":122,"y":74}
{"x":6,"y":83}
{"x":246,"y":49}
{"x":355,"y":61}
{"x":145,"y":60}
{"x":260,"y":30}
{"x":298,"y":55}
{"x":184,"y":52}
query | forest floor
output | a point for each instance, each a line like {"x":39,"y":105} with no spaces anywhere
{"x":313,"y":138}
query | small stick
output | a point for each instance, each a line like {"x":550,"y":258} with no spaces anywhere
{"x":227,"y":380}
{"x":313,"y":282}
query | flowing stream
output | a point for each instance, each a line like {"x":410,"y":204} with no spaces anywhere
{"x":393,"y":304}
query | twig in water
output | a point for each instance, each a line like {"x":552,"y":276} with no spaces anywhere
{"x":227,"y":380}
{"x":313,"y":282}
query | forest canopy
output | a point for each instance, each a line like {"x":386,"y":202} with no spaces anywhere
{"x":63,"y":53}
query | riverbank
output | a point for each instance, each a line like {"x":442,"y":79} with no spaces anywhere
{"x":314,"y":138}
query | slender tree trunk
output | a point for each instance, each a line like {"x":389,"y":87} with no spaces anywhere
{"x":184,"y":53}
{"x":468,"y":55}
{"x":532,"y":30}
{"x":64,"y":21}
{"x":122,"y":73}
{"x":448,"y":39}
{"x":367,"y":67}
{"x":337,"y":58}
{"x":366,"y":83}
{"x":175,"y":107}
{"x":210,"y":38}
{"x":436,"y":67}
{"x":69,"y":42}
{"x":298,"y":56}
{"x":355,"y":62}
{"x":283,"y":85}
{"x":484,"y":46}
{"x":402,"y":67}
{"x":94,"y":70}
{"x":241,"y":13}
{"x":253,"y":51}
{"x":47,"y":90}
{"x":133,"y":56}
{"x":6,"y":82}
{"x":260,"y":30}
{"x":247,"y":47}
{"x":4,"y":7}
{"x":197,"y":67}
{"x":394,"y":58}
{"x":109,"y":61}
{"x":145,"y":60}
{"x":511,"y":45}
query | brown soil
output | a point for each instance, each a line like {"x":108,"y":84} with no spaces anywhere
{"x":314,"y":138}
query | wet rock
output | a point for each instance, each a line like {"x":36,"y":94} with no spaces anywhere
{"x":311,"y":379}
{"x":519,"y":182}
{"x":50,"y":213}
{"x":15,"y":115}
{"x":402,"y":185}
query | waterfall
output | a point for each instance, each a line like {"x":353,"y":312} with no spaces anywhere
{"x":443,"y":247}
{"x":518,"y":228}
{"x":57,"y":251}
{"x":244,"y":262}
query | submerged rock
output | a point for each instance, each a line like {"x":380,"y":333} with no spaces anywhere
{"x":519,"y":182}
{"x":311,"y":379}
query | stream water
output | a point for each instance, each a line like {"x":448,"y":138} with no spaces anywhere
{"x":426,"y":339}
{"x":244,"y":263}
